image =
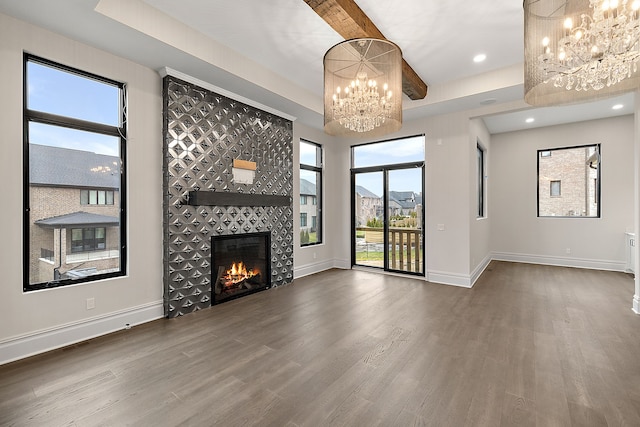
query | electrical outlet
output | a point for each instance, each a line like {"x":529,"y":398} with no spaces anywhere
{"x":568,"y":250}
{"x":440,"y":227}
{"x":91,"y":303}
{"x":314,"y":255}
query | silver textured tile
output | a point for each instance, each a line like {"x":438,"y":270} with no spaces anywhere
{"x":203,"y":133}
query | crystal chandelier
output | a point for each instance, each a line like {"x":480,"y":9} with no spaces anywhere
{"x":363,"y":88}
{"x":580,"y":46}
{"x":360,"y":107}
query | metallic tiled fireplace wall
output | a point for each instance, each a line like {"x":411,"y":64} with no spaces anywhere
{"x":203,"y":133}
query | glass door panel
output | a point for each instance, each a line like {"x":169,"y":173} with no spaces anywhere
{"x":369,"y":219}
{"x":404,"y":213}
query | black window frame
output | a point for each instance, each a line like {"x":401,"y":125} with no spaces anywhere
{"x":120,"y":131}
{"x":546,"y":153}
{"x":481,"y":184}
{"x":317,"y":168}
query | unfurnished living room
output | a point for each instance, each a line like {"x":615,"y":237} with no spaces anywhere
{"x":320,"y":212}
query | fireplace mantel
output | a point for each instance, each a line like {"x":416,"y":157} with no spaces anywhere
{"x":223,"y":198}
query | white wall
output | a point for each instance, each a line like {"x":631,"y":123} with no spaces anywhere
{"x":36,"y":321}
{"x":519,"y":235}
{"x":330,"y":253}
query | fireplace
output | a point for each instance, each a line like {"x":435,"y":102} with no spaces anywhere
{"x":241,"y":265}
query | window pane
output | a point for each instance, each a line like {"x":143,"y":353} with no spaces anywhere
{"x":568,"y":179}
{"x":63,"y":162}
{"x":51,"y":90}
{"x":109,"y":197}
{"x":76,"y":234}
{"x":405,"y":150}
{"x":102,"y":198}
{"x":310,"y":154}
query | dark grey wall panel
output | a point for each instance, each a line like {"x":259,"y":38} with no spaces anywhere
{"x":203,"y":133}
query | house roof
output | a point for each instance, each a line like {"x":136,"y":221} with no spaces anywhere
{"x":406,"y":199}
{"x":79,"y":219}
{"x":63,"y":167}
{"x":365,"y":193}
{"x":307,"y":187}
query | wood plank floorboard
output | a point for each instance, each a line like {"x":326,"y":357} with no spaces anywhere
{"x":528,"y":345}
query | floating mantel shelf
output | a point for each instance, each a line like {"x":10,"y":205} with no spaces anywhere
{"x":223,"y":198}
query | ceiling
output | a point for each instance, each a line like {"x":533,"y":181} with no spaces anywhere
{"x":271,"y":51}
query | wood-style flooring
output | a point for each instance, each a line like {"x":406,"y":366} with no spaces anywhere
{"x":529,"y":345}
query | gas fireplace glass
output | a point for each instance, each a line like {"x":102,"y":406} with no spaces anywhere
{"x":240,"y":265}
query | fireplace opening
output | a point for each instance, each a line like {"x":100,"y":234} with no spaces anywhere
{"x":240,"y":264}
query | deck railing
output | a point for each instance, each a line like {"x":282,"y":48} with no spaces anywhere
{"x":405,"y":247}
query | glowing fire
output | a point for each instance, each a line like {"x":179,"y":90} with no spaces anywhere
{"x":237,"y":273}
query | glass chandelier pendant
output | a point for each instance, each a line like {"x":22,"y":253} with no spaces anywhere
{"x":581,"y":46}
{"x":363,"y":88}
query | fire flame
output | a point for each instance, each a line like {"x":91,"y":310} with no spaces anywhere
{"x":238,"y":272}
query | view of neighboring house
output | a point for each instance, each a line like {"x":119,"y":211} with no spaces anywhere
{"x":368,"y":206}
{"x":75,"y":224}
{"x":308,"y":206}
{"x":404,"y":202}
{"x":568,"y":182}
{"x":401,"y":203}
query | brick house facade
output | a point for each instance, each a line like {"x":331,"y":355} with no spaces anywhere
{"x":74,"y":226}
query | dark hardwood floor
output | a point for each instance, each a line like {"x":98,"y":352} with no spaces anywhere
{"x":528,"y":345}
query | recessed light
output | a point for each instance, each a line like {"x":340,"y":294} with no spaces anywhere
{"x":480,"y":57}
{"x":530,"y":120}
{"x":488,"y":101}
{"x":617,"y":107}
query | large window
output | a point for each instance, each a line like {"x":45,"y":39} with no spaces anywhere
{"x":569,"y":182}
{"x":74,"y":145}
{"x":310,"y":191}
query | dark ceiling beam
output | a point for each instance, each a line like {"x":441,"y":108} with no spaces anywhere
{"x":346,"y":17}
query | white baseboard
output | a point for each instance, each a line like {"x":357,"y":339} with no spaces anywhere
{"x":446,"y":278}
{"x":477,"y":272}
{"x":592,"y":264}
{"x":20,"y":347}
{"x":440,"y":277}
{"x":307,"y":269}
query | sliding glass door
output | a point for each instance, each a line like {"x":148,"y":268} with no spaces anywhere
{"x":387,"y":207}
